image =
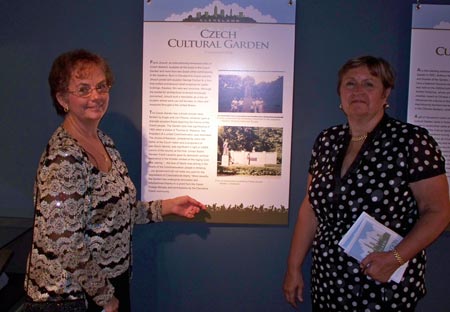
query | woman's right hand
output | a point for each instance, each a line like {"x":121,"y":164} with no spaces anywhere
{"x":293,"y":287}
{"x":302,"y":239}
{"x":112,"y":305}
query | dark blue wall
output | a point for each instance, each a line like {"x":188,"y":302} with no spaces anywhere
{"x":188,"y":266}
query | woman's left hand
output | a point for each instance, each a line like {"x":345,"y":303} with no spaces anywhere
{"x":379,"y":265}
{"x":184,"y":206}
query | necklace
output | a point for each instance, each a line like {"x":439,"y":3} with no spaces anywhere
{"x":93,"y":146}
{"x":97,"y":153}
{"x":96,"y":162}
{"x":359,"y":138}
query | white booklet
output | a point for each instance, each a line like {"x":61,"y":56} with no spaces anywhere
{"x":367,"y":235}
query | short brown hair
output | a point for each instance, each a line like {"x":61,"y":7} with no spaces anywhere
{"x":377,"y":67}
{"x":64,"y":66}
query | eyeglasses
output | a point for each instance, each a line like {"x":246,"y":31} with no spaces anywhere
{"x":86,"y":90}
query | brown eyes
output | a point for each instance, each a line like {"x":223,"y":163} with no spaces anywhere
{"x":86,"y":90}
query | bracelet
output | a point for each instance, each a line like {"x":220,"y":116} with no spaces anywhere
{"x":398,"y":257}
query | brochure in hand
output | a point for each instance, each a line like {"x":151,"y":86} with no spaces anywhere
{"x":367,"y":235}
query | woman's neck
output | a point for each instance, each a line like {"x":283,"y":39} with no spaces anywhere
{"x":87,"y":137}
{"x":360,"y":127}
{"x":80,"y":130}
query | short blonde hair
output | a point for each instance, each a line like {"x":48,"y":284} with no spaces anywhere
{"x":377,"y":67}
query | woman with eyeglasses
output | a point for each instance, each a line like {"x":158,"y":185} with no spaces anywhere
{"x":373,"y":163}
{"x":85,"y":202}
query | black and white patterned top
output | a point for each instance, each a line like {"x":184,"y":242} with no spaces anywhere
{"x":394,"y":154}
{"x":83,"y":223}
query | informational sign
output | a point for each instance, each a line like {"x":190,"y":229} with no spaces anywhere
{"x":217,"y":106}
{"x":429,"y":87}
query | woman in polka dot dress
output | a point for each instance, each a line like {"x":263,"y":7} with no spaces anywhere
{"x":391,"y":170}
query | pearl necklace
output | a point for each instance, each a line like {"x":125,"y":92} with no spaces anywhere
{"x":359,"y":138}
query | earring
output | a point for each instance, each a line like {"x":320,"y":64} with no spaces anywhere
{"x":340,"y":106}
{"x":386,"y":106}
{"x":66,"y":109}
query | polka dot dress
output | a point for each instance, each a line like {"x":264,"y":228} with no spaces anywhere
{"x":392,"y":156}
